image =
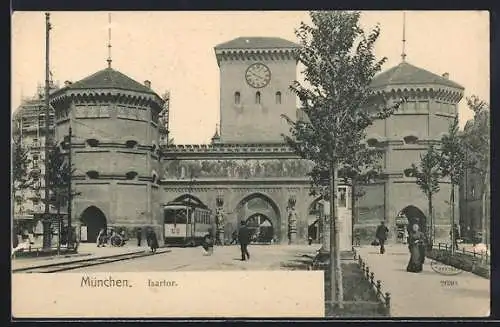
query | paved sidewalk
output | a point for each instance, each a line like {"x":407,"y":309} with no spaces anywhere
{"x":85,"y":251}
{"x":424,"y":294}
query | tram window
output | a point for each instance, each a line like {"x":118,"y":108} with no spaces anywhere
{"x":169,"y":216}
{"x":180,"y":216}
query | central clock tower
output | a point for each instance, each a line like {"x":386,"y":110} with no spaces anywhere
{"x":255,"y":75}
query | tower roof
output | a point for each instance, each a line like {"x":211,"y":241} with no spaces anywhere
{"x":110,"y":79}
{"x":405,"y":73}
{"x":257,"y":42}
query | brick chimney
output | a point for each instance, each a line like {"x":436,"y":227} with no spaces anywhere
{"x":446,"y":75}
{"x":147,"y":84}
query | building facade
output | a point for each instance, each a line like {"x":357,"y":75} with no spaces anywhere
{"x":246,"y":172}
{"x":28,"y":122}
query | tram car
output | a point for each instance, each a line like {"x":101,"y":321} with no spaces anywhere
{"x":186,"y":224}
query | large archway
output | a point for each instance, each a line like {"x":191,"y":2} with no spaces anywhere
{"x":259,"y":209}
{"x":261,"y":227}
{"x":93,"y":219}
{"x":414,"y":216}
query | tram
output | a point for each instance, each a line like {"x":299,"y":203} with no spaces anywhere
{"x":186,"y":224}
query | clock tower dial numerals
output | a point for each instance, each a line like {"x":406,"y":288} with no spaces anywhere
{"x":258,"y":75}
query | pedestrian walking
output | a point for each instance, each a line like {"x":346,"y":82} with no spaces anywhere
{"x":101,"y":237}
{"x":454,"y":235}
{"x":234,"y":238}
{"x":208,"y":245}
{"x":416,"y":245}
{"x":381,"y":235}
{"x":139,"y":236}
{"x":244,"y":239}
{"x":152,"y":241}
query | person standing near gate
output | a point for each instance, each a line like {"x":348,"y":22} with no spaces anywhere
{"x":139,"y":236}
{"x":381,"y":235}
{"x":244,"y":239}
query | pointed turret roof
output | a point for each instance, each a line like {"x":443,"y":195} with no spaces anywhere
{"x":407,"y":74}
{"x":109,"y":78}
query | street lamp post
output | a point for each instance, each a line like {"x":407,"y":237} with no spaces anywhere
{"x":47,"y":230}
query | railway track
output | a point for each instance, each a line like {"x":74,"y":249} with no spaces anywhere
{"x":76,"y":264}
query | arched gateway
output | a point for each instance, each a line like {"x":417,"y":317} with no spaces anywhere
{"x":262,"y":215}
{"x":92,"y":220}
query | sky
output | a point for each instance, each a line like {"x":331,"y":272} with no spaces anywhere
{"x":174,"y":50}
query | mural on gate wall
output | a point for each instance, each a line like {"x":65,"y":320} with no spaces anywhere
{"x":236,"y":168}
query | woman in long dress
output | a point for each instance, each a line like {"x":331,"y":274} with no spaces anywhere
{"x":416,"y":244}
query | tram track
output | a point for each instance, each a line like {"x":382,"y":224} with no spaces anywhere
{"x":77,"y":264}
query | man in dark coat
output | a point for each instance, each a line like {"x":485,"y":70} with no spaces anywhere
{"x":152,"y":241}
{"x":381,"y":235}
{"x":244,"y":239}
{"x":139,"y":236}
{"x":455,"y":235}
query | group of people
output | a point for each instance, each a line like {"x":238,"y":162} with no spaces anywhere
{"x":103,"y":238}
{"x":416,"y":241}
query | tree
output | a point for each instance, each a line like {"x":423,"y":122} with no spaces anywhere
{"x":477,"y":143}
{"x":60,"y":174}
{"x":427,"y":176}
{"x":19,"y":171}
{"x":453,"y":164}
{"x":20,"y":163}
{"x":338,"y":103}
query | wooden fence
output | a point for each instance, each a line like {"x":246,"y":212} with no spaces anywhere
{"x":383,"y":297}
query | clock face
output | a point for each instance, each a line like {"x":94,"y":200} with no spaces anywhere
{"x":258,"y":75}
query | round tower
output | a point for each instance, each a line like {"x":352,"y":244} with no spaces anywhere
{"x":115,"y":151}
{"x":431,"y":104}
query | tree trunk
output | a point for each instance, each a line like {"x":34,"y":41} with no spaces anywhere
{"x":353,"y":211}
{"x":484,"y":223}
{"x":325,"y":232}
{"x":452,"y":216}
{"x":431,"y":220}
{"x":335,"y":268}
{"x":59,"y":223}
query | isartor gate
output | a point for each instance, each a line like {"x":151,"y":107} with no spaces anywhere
{"x":266,"y":185}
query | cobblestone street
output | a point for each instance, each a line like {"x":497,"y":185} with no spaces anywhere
{"x":224,"y":258}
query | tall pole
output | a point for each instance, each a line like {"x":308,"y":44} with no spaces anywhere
{"x":47,"y":225}
{"x":70,"y":195}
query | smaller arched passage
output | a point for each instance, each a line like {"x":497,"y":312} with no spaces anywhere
{"x":261,"y":228}
{"x":313,"y":223}
{"x":257,"y":204}
{"x":93,"y":219}
{"x":414,"y":216}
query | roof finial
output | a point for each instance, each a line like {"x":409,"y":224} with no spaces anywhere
{"x":403,"y":53}
{"x":109,"y":40}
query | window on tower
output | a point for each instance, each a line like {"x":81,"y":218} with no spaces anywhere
{"x":237,"y":98}
{"x":257,"y":97}
{"x":278,"y":97}
{"x":93,"y":143}
{"x":92,"y":174}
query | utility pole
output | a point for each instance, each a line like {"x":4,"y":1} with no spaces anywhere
{"x":47,"y":231}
